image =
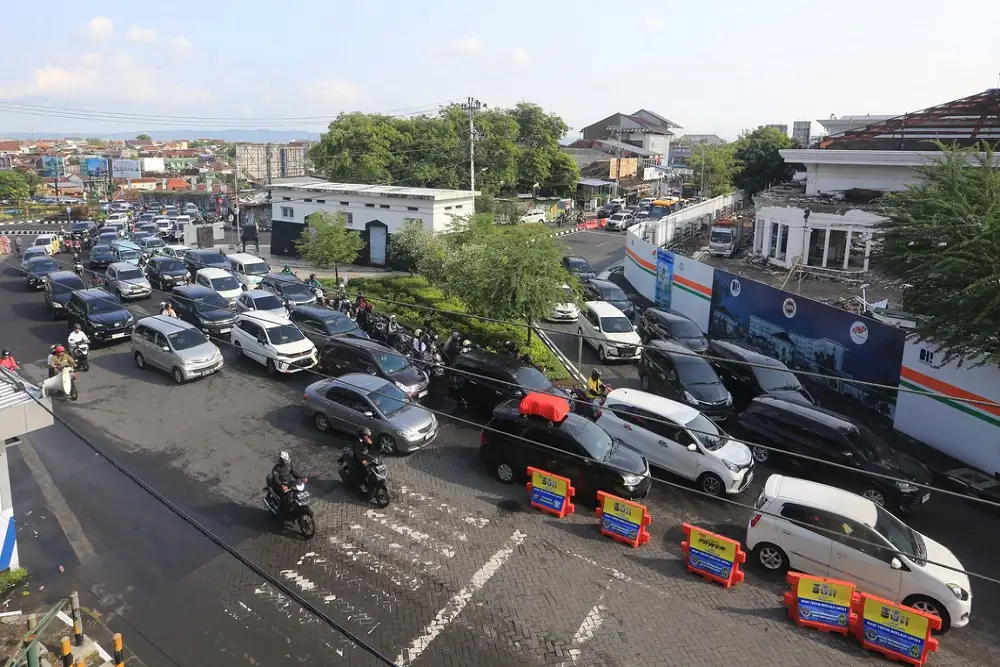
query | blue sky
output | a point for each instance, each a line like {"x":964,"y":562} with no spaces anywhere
{"x":711,"y":66}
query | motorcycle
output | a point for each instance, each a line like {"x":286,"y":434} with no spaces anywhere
{"x":77,"y":246}
{"x":296,"y":507}
{"x":81,"y":355}
{"x":435,"y":368}
{"x":589,"y":407}
{"x":320,"y":298}
{"x":67,"y":245}
{"x":78,"y":268}
{"x":373,"y":487}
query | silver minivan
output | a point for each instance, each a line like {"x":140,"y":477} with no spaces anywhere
{"x":127,"y":281}
{"x":174,"y":346}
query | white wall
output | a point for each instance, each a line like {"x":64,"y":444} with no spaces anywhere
{"x":856,"y":220}
{"x":152,"y":164}
{"x":968,"y":432}
{"x":832,"y":178}
{"x":687,"y":220}
{"x":640,"y":262}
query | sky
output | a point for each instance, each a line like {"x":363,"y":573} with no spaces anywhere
{"x":714,"y":66}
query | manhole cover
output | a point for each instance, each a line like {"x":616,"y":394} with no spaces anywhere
{"x":510,"y":505}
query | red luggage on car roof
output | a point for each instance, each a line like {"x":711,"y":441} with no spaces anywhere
{"x":546,"y":406}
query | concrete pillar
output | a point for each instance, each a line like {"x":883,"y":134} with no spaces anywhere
{"x":847,"y":250}
{"x":777,"y":246}
{"x":868,"y":251}
{"x":826,"y":247}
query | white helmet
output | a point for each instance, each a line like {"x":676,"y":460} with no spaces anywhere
{"x":284,"y":457}
{"x":163,"y":304}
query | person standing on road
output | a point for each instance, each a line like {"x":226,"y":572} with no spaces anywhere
{"x":18,"y":245}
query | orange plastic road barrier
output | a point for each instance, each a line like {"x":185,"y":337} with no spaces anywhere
{"x":820,"y":603}
{"x":897,"y":632}
{"x":714,"y":557}
{"x":550,"y":493}
{"x":623,"y":520}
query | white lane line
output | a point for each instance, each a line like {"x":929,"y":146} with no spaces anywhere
{"x":424,"y":539}
{"x":372,"y":563}
{"x":427,"y":501}
{"x":591,"y":624}
{"x":458,"y":602}
{"x":414,"y":515}
{"x":600,"y":244}
{"x":396,"y":551}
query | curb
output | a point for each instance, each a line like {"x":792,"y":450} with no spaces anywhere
{"x":567,"y":231}
{"x":39,"y":222}
{"x":563,"y":359}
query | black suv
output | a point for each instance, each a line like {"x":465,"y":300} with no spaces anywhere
{"x":358,"y":355}
{"x":481,"y":380}
{"x":806,"y":429}
{"x":101,"y":257}
{"x":605,"y":290}
{"x":58,"y":288}
{"x":165,"y":273}
{"x":101,"y":315}
{"x":204,"y":308}
{"x":291,"y":290}
{"x":579,"y":267}
{"x":656,"y":323}
{"x":84,"y":232}
{"x":38,"y":268}
{"x":673,"y":371}
{"x":196,"y":260}
{"x":319,"y":324}
{"x":743,"y":371}
{"x":575,"y":447}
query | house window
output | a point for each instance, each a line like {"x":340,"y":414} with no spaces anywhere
{"x":320,"y":201}
{"x":447,"y":208}
{"x":287,"y":198}
{"x":308,"y":200}
{"x":411,"y":208}
{"x":287,"y":212}
{"x":348,"y":218}
{"x":926,"y":356}
{"x":345,"y":203}
{"x":383,"y":206}
{"x":458,"y":206}
{"x":369,"y":205}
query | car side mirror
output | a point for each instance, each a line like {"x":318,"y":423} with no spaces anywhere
{"x":165,"y":348}
{"x":692,"y":447}
{"x":370,"y":414}
{"x":896,"y":564}
{"x":849,"y":455}
{"x":261,"y":340}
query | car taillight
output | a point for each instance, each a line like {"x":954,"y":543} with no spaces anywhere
{"x":305,"y":397}
{"x":754,"y":519}
{"x":482,"y":438}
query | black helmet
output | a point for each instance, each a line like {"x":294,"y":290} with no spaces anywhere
{"x":365,"y":432}
{"x":5,"y":353}
{"x":595,"y":374}
{"x":361,"y":295}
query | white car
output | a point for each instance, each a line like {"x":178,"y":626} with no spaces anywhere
{"x":679,"y":439}
{"x":620,"y":221}
{"x":248,"y":269}
{"x":274,"y":342}
{"x":117,"y":218}
{"x":175,"y":250}
{"x":223,"y":282}
{"x":258,"y":300}
{"x":609,"y":332}
{"x":533,"y":216}
{"x":31,"y":253}
{"x":829,"y":532}
{"x":646,"y":201}
{"x":568,"y":311}
{"x":163,"y":224}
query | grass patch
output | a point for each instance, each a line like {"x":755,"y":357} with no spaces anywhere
{"x":12,"y":578}
{"x":415,"y":290}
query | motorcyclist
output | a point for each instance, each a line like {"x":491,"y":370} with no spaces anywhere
{"x":52,"y":353}
{"x":454,"y":344}
{"x":7,"y":360}
{"x":418,"y":347}
{"x":314,"y":282}
{"x":77,"y":336}
{"x":282,"y":474}
{"x":60,"y":359}
{"x":363,"y":447}
{"x":287,"y":271}
{"x":595,"y":387}
{"x":95,"y":280}
{"x":167,"y":310}
{"x":391,"y":329}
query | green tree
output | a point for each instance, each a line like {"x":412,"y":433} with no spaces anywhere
{"x":719,"y":165}
{"x":942,"y":238}
{"x":14,"y":186}
{"x":758,"y":162}
{"x":35,"y":182}
{"x":564,"y":174}
{"x":412,"y":246}
{"x":327,"y":243}
{"x":95,"y":141}
{"x":358,"y":148}
{"x":143,"y":137}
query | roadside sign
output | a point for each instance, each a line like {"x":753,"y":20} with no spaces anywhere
{"x":550,"y":493}
{"x":714,"y":557}
{"x":623,"y":520}
{"x":898,"y":632}
{"x":820,"y":603}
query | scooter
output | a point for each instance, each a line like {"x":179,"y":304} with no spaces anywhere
{"x":78,"y":268}
{"x":296,"y":509}
{"x":62,"y":382}
{"x":590,"y":408}
{"x":81,"y":355}
{"x":373,"y":488}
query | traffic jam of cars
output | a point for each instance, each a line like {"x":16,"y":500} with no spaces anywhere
{"x":707,"y":413}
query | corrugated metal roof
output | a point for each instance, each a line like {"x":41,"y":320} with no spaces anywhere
{"x":594,"y":182}
{"x":10,"y":393}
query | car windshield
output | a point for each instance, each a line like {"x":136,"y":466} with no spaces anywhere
{"x":296,"y":290}
{"x":390,"y":362}
{"x":613,"y":294}
{"x":580,"y":265}
{"x":128,"y":254}
{"x":269,"y":302}
{"x":721,"y":235}
{"x":284,"y":333}
{"x":695,"y":371}
{"x":340,"y":325}
{"x":255,"y":269}
{"x":130,"y":274}
{"x":898,"y":534}
{"x":79,"y":226}
{"x":171,"y":265}
{"x":388,"y":399}
{"x":67,"y":285}
{"x":532,"y":379}
{"x":684,"y":329}
{"x":869,"y":444}
{"x":707,"y":432}
{"x":186,"y":339}
{"x":100,"y":250}
{"x":594,"y":440}
{"x":154,"y":242}
{"x":212,"y":259}
{"x":211,"y":301}
{"x":616,"y":325}
{"x":224,"y":283}
{"x":44,"y":266}
{"x":104,"y":306}
{"x":108,"y":237}
{"x":43,"y":241}
{"x":776,"y":377}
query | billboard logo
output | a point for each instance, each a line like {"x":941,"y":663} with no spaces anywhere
{"x":789,"y":308}
{"x":734,"y":287}
{"x":859,"y":333}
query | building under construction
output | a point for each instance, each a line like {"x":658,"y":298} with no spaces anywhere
{"x":262,"y":163}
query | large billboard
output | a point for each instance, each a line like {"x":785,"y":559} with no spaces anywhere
{"x":128,"y":169}
{"x":94,"y":167}
{"x":52,"y":166}
{"x":810,"y":336}
{"x":6,"y":163}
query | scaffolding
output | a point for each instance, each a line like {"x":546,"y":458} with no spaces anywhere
{"x":261,"y":163}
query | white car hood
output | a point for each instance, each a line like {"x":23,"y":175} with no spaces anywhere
{"x":296,"y":348}
{"x":733,"y":451}
{"x":566,"y":307}
{"x":230,"y":294}
{"x":624,"y":338}
{"x":939,"y":553}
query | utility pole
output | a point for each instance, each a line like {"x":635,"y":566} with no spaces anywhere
{"x":472,"y":105}
{"x":617,"y":130}
{"x":704,"y":166}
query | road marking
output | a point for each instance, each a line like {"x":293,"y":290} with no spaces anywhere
{"x":458,"y":602}
{"x":591,"y":624}
{"x":445,"y":550}
{"x":369,"y":561}
{"x":299,"y":580}
{"x":478,"y":521}
{"x":600,"y":244}
{"x":70,"y":525}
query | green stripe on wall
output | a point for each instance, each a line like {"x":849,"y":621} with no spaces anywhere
{"x":632,"y":259}
{"x":951,"y":403}
{"x":684,"y":288}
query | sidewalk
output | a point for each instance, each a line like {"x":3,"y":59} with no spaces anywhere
{"x":303,"y":268}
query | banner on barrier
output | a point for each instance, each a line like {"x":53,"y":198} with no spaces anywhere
{"x":820,"y":603}
{"x":550,"y":493}
{"x":712,"y":556}
{"x":623,"y":520}
{"x":896,"y":631}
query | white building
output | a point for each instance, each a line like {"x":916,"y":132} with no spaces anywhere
{"x":375,"y":211}
{"x":834,"y":125}
{"x":153,"y":164}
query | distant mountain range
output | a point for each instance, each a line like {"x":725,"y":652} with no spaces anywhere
{"x":260,"y":135}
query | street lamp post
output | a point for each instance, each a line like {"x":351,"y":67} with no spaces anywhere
{"x":701,"y":192}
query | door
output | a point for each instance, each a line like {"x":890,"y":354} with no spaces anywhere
{"x":634,"y":427}
{"x":555,"y":456}
{"x":808,"y":547}
{"x":377,"y":242}
{"x":590,"y":326}
{"x":244,"y":304}
{"x":864,"y":561}
{"x":250,"y":340}
{"x":159,"y":357}
{"x":338,"y":407}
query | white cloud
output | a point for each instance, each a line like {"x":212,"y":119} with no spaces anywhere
{"x":92,"y":60}
{"x":124,"y":61}
{"x":142,"y":35}
{"x":180,"y":45}
{"x":467,"y":46}
{"x":652,"y":24}
{"x":56,"y":81}
{"x":99,"y":29}
{"x":520,"y":58}
{"x":333,"y":93}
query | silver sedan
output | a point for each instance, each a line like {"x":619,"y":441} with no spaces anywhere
{"x":355,"y":400}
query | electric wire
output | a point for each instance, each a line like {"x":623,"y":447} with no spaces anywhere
{"x":573,"y":400}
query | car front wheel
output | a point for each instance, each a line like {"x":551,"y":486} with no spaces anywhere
{"x":932,"y":607}
{"x":770,"y":557}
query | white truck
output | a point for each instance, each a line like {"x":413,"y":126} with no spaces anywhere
{"x":726,"y":237}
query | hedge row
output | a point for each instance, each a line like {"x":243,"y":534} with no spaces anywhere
{"x":415,"y":290}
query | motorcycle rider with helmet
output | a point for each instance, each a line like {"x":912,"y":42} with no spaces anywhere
{"x":595,"y":387}
{"x":7,"y":360}
{"x":361,"y":454}
{"x":59,"y":360}
{"x":282,"y":474}
{"x":287,"y":271}
{"x":77,"y":336}
{"x":391,"y":329}
{"x":314,"y":282}
{"x":418,"y":346}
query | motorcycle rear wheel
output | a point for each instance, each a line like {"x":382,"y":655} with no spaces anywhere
{"x":307,"y":523}
{"x":380,"y":496}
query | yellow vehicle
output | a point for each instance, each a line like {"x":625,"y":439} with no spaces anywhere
{"x":661,"y":208}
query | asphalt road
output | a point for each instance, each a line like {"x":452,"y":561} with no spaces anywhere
{"x":456,"y":571}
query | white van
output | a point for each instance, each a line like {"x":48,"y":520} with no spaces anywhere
{"x":248,"y":269}
{"x":45,"y":241}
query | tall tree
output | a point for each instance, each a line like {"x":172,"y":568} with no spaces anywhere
{"x":719,"y":164}
{"x":14,"y":186}
{"x":327,"y":243}
{"x":758,"y":162}
{"x":358,"y":148}
{"x":143,"y":137}
{"x":34,"y":181}
{"x":942,"y":238}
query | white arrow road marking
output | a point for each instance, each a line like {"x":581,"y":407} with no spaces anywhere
{"x":458,"y":601}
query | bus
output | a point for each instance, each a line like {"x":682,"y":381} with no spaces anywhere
{"x":661,"y":208}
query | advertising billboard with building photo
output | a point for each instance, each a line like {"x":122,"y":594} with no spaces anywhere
{"x":6,"y":163}
{"x":52,"y":166}
{"x":810,"y":336}
{"x":95,"y":167}
{"x":126,"y":169}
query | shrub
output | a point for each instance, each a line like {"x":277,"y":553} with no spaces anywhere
{"x":392,"y":295}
